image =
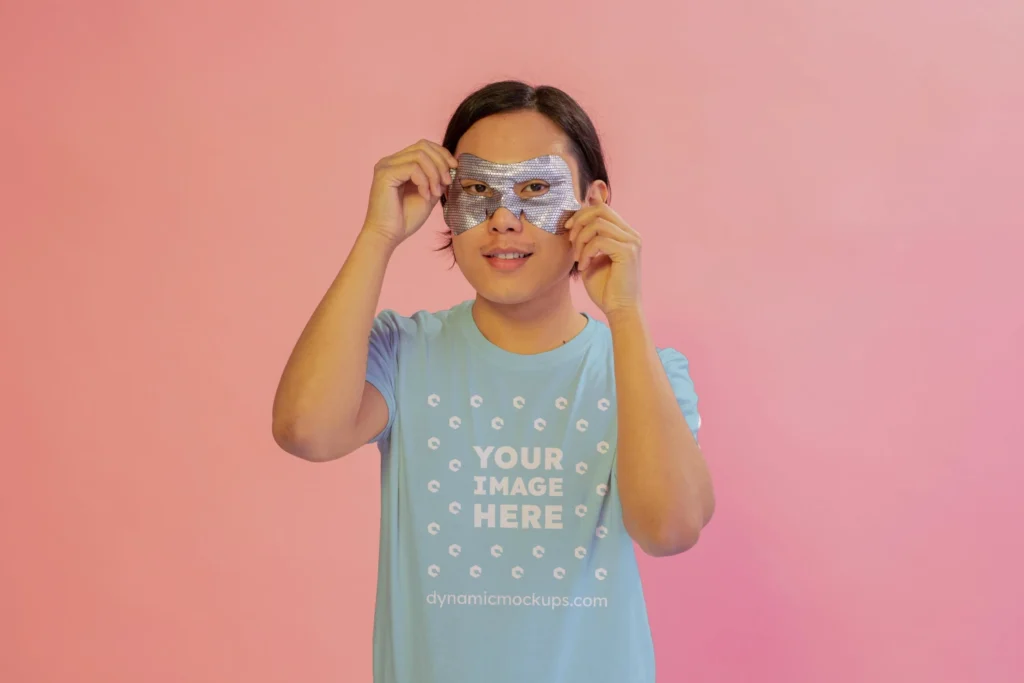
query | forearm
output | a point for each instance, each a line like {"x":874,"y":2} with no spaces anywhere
{"x":664,"y":484}
{"x":320,"y":391}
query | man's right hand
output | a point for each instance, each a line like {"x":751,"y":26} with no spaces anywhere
{"x":406,"y":188}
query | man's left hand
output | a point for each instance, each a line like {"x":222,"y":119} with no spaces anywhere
{"x":607,"y":250}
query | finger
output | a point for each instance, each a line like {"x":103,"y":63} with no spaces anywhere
{"x":580,"y":235}
{"x":439,"y":157}
{"x":429,"y":144}
{"x":412,"y":172}
{"x":442,"y":160}
{"x":613,"y":249}
{"x":398,"y":174}
{"x":581,"y":217}
{"x":582,"y":232}
{"x":600,"y":227}
{"x":592,"y":250}
{"x":450,"y":160}
{"x":429,"y":166}
{"x":575,"y":225}
{"x":600,"y":210}
{"x":624,"y":225}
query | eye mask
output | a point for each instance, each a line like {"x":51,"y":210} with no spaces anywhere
{"x":548,"y":211}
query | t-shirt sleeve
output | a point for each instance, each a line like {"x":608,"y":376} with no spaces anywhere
{"x":677,"y":367}
{"x":382,"y":363}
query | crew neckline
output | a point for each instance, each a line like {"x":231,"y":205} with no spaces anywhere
{"x":482,"y":346}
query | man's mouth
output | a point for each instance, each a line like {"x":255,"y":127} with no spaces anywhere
{"x":507,"y":259}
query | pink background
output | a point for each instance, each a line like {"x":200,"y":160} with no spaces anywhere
{"x":827,"y":192}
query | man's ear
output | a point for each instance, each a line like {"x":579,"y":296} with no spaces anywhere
{"x":598,"y":191}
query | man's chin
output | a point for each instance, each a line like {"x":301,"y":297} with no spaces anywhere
{"x":509,"y":289}
{"x":506,"y":296}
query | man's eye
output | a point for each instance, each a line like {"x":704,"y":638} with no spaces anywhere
{"x":476,"y":188}
{"x":535,"y":188}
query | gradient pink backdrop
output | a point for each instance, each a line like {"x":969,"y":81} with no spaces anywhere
{"x":830,"y":194}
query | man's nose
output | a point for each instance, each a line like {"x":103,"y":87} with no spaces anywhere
{"x":504,"y":220}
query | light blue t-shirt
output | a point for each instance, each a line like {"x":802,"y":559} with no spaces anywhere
{"x":503,"y":556}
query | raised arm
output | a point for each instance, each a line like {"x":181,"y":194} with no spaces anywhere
{"x":324,"y":408}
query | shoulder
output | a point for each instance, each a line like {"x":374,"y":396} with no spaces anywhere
{"x":677,"y":369}
{"x":674,"y":359}
{"x":421,"y":324}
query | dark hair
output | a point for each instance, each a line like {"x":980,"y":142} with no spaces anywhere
{"x":511,"y":96}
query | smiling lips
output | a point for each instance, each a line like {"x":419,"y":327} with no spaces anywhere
{"x":507,"y":259}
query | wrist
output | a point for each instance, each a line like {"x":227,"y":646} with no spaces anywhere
{"x":625,"y":315}
{"x":376,"y":239}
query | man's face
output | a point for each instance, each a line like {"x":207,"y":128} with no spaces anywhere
{"x":506,"y":258}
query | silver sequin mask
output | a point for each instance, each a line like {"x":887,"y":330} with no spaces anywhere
{"x":549,"y":211}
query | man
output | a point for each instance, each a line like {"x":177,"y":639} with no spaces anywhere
{"x":525,"y":446}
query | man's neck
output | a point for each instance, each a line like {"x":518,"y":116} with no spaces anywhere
{"x":531,"y":327}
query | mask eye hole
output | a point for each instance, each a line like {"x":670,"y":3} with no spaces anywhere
{"x":476,"y":188}
{"x":532,"y":188}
